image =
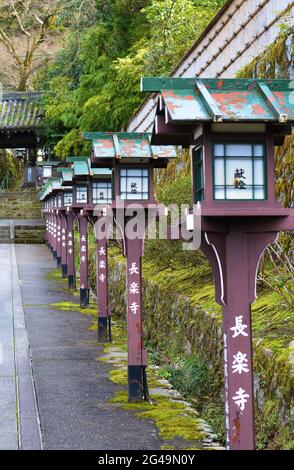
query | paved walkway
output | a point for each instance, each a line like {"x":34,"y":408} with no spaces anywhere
{"x":72,"y":388}
{"x":19,"y":424}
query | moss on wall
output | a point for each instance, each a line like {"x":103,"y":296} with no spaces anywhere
{"x":275,"y":62}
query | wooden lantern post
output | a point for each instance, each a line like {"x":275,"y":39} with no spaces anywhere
{"x":133,"y":161}
{"x":80,"y":180}
{"x":100,"y":195}
{"x":231,"y":126}
{"x":67,"y":233}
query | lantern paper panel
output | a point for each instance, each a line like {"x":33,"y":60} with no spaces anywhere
{"x":81,"y":194}
{"x":102,"y":192}
{"x":67,"y":198}
{"x":134,"y":183}
{"x":239,"y":171}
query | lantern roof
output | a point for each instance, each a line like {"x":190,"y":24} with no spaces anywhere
{"x":67,"y":174}
{"x":127,"y":145}
{"x":101,"y":172}
{"x":52,"y":184}
{"x":224,"y":100}
{"x":81,"y":166}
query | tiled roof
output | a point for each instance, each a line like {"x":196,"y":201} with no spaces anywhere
{"x":20,"y":111}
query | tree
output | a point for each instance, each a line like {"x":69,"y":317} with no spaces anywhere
{"x":24,"y":26}
{"x":27,"y":28}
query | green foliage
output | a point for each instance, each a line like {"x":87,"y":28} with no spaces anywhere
{"x":269,"y":433}
{"x":11,"y":167}
{"x":178,"y":191}
{"x":175,"y":26}
{"x":192,"y":377}
{"x":94,"y":82}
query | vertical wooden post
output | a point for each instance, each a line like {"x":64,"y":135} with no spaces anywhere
{"x":234,"y":257}
{"x":50,"y":233}
{"x":63,"y":246}
{"x":47,"y":230}
{"x":70,"y":250}
{"x":84,"y":281}
{"x":238,"y":344}
{"x":137,"y":357}
{"x":54,"y":241}
{"x":104,"y":327}
{"x":58,"y":239}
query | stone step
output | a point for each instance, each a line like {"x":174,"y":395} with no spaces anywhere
{"x":4,"y":234}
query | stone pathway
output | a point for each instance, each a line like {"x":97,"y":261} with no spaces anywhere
{"x":55,"y":393}
{"x":73,"y":389}
{"x":19,"y":422}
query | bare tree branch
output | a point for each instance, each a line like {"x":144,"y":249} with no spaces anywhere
{"x":15,"y":13}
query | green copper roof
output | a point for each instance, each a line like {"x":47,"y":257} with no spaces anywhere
{"x":223,"y":100}
{"x":56,"y":183}
{"x":67,"y":174}
{"x":101,"y":172}
{"x":127,"y":145}
{"x":81,"y":165}
{"x":52,"y":184}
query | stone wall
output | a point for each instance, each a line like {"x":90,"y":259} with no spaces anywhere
{"x":29,"y":234}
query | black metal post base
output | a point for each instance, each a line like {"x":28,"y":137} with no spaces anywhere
{"x":84,"y":298}
{"x":58,"y":259}
{"x":104,"y":335}
{"x":71,"y":281}
{"x":64,"y":270}
{"x":135,"y":379}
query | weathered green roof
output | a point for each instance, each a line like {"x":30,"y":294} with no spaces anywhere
{"x":56,"y":183}
{"x":223,"y":100}
{"x":81,"y":165}
{"x":67,"y":174}
{"x":20,"y":111}
{"x":127,"y":145}
{"x":101,"y":172}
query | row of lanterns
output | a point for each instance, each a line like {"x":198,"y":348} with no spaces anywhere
{"x":231,"y":127}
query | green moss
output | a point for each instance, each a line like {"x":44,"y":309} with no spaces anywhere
{"x":54,"y":275}
{"x":119,"y":376}
{"x":73,"y":307}
{"x":171,"y":417}
{"x":274,"y":62}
